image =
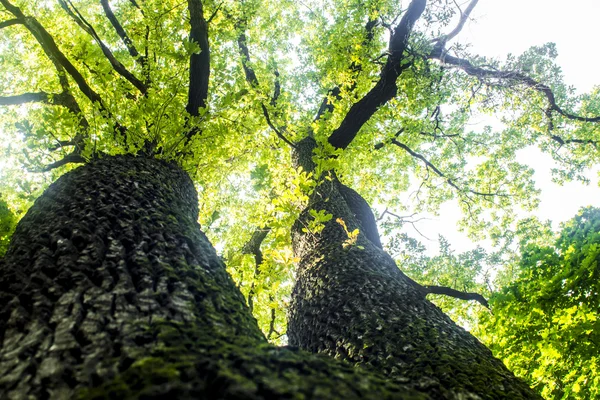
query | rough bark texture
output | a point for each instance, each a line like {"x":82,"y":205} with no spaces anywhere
{"x":110,"y":290}
{"x":352,"y":302}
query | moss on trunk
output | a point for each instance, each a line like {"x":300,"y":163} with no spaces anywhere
{"x":110,"y":290}
{"x":352,"y":302}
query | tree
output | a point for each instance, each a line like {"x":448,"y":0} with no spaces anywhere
{"x":545,"y":322}
{"x":118,"y":242}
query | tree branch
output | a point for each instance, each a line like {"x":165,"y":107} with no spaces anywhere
{"x":326,"y":105}
{"x":436,"y":170}
{"x":54,"y":54}
{"x":64,"y":99}
{"x":272,"y":322}
{"x":10,"y":22}
{"x":73,"y":157}
{"x":199,"y":62}
{"x":276,"y":89}
{"x":514,"y":77}
{"x":135,"y":4}
{"x":446,"y":291}
{"x":464,"y":16}
{"x":252,"y":246}
{"x":253,"y":82}
{"x":116,"y":64}
{"x":385,"y":89}
{"x":122,"y":34}
{"x":562,"y":141}
{"x":39,"y":97}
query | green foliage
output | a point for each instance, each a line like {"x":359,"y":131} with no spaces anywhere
{"x":244,"y":172}
{"x":8,"y":221}
{"x":470,"y":272}
{"x":546,"y":323}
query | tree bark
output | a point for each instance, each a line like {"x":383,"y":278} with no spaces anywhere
{"x":352,"y":302}
{"x":110,"y":290}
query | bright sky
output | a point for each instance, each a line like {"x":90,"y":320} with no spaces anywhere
{"x":512,"y":26}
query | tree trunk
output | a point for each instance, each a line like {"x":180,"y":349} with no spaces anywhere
{"x":110,"y":290}
{"x":352,"y":302}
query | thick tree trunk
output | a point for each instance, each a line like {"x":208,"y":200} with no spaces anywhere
{"x":110,"y":290}
{"x":352,"y":302}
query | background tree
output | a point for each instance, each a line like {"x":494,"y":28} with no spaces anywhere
{"x":374,"y":87}
{"x":545,"y":322}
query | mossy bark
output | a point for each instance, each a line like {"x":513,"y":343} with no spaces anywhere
{"x":352,"y":302}
{"x":110,"y":290}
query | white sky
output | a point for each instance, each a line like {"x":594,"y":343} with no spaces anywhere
{"x":512,"y":26}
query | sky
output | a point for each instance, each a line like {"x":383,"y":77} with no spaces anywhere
{"x":499,"y":27}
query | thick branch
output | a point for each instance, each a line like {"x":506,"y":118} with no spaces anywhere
{"x":456,"y":294}
{"x":52,"y":51}
{"x":73,"y":157}
{"x":39,"y":97}
{"x":562,"y":141}
{"x":116,"y":64}
{"x":253,"y":247}
{"x":326,"y":105}
{"x":121,"y":32}
{"x":199,"y":62}
{"x":64,"y":99}
{"x":385,"y":89}
{"x":507,"y":76}
{"x":10,"y":22}
{"x":248,"y":70}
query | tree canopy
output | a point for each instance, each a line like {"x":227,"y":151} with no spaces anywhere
{"x":229,"y":88}
{"x":545,"y":322}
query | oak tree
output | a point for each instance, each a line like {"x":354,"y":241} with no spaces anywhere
{"x":275,"y":110}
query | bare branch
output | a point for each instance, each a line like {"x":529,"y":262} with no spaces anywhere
{"x":385,"y":89}
{"x":199,"y":62}
{"x":116,"y":64}
{"x":405,"y":219}
{"x":464,"y":16}
{"x":446,"y":291}
{"x":513,"y":77}
{"x":438,"y":172}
